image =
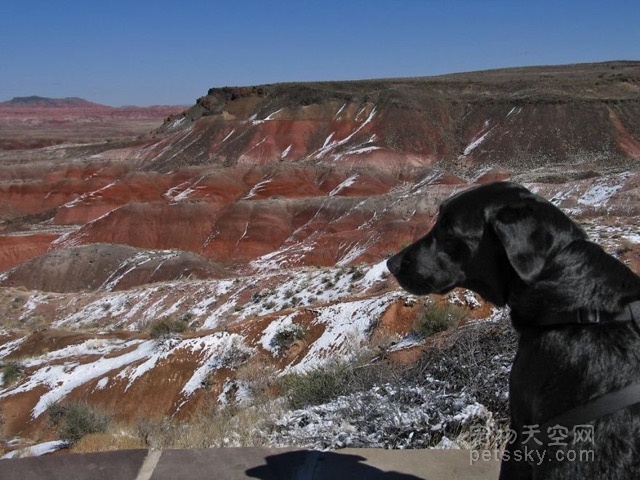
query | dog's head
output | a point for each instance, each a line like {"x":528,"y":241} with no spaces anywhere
{"x":485,"y":239}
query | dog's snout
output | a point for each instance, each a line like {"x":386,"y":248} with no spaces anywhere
{"x":394,"y":264}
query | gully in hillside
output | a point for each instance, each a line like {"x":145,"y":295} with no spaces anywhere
{"x":577,"y":312}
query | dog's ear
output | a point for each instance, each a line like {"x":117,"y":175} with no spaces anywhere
{"x":520,"y":228}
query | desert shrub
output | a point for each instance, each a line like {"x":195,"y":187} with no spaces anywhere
{"x":284,"y":337}
{"x":476,"y":359}
{"x":436,"y":318}
{"x":74,"y":420}
{"x":335,"y":379}
{"x":356,"y":273}
{"x":211,"y":426}
{"x":258,"y":375}
{"x":167,"y":326}
{"x":11,"y":370}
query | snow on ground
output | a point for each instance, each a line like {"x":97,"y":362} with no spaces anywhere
{"x":61,"y":371}
{"x":206,"y":304}
{"x":177,"y":123}
{"x":219,"y":350}
{"x":360,"y":151}
{"x":134,"y":262}
{"x":61,"y":379}
{"x":347,"y":183}
{"x":269,"y":333}
{"x":256,"y":188}
{"x":88,"y":196}
{"x":600,"y":192}
{"x":37,"y":450}
{"x":228,"y":135}
{"x":331,"y":145}
{"x":33,"y":302}
{"x":387,"y":416}
{"x":286,"y":151}
{"x":8,"y":347}
{"x":514,"y":110}
{"x":478,"y":141}
{"x":346,"y":326}
{"x":312,"y":287}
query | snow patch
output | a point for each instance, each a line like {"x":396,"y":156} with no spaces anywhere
{"x":330,"y":145}
{"x":599,"y":193}
{"x":256,"y":188}
{"x":475,"y":144}
{"x":387,"y":416}
{"x":37,"y":450}
{"x":63,"y":378}
{"x":271,"y":116}
{"x":218,"y":351}
{"x":346,"y":326}
{"x":345,"y":184}
{"x":9,"y":347}
{"x":266,"y":341}
{"x":286,"y":151}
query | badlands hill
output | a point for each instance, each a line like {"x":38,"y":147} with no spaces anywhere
{"x":269,"y":210}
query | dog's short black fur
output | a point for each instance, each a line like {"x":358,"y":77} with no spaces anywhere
{"x":515,"y":248}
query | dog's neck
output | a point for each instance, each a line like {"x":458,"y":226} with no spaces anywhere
{"x":580,"y":277}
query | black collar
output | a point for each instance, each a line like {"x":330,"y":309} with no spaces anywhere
{"x":630,"y":313}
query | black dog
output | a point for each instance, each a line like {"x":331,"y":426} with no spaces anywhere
{"x":575,"y":382}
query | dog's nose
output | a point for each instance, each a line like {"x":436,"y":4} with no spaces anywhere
{"x":394,"y":264}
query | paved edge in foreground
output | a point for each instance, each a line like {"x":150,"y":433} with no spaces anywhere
{"x":256,"y":462}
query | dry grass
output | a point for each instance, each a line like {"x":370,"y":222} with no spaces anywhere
{"x":212,"y":426}
{"x":112,"y":440}
{"x":228,"y":426}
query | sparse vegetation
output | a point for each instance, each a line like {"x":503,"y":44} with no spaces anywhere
{"x":285,"y":337}
{"x":436,"y":318}
{"x":357,"y":273}
{"x":211,"y":426}
{"x":107,"y":441}
{"x":166,"y":327}
{"x":475,"y":358}
{"x":74,"y":420}
{"x":334,"y":379}
{"x":11,"y":371}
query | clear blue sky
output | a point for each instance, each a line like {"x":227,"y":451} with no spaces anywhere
{"x":170,"y":52}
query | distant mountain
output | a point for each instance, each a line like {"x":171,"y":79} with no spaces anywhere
{"x":35,"y":101}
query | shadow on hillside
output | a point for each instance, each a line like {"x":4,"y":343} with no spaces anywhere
{"x":314,"y":465}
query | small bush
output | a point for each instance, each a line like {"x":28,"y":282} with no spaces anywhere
{"x":283,"y":338}
{"x":477,"y":359}
{"x":437,"y":318}
{"x":356,"y":273}
{"x":11,"y":371}
{"x":74,"y":420}
{"x":335,"y":379}
{"x":317,"y":386}
{"x":167,"y":326}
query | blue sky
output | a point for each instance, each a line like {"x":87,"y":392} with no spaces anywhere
{"x":170,"y":52}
